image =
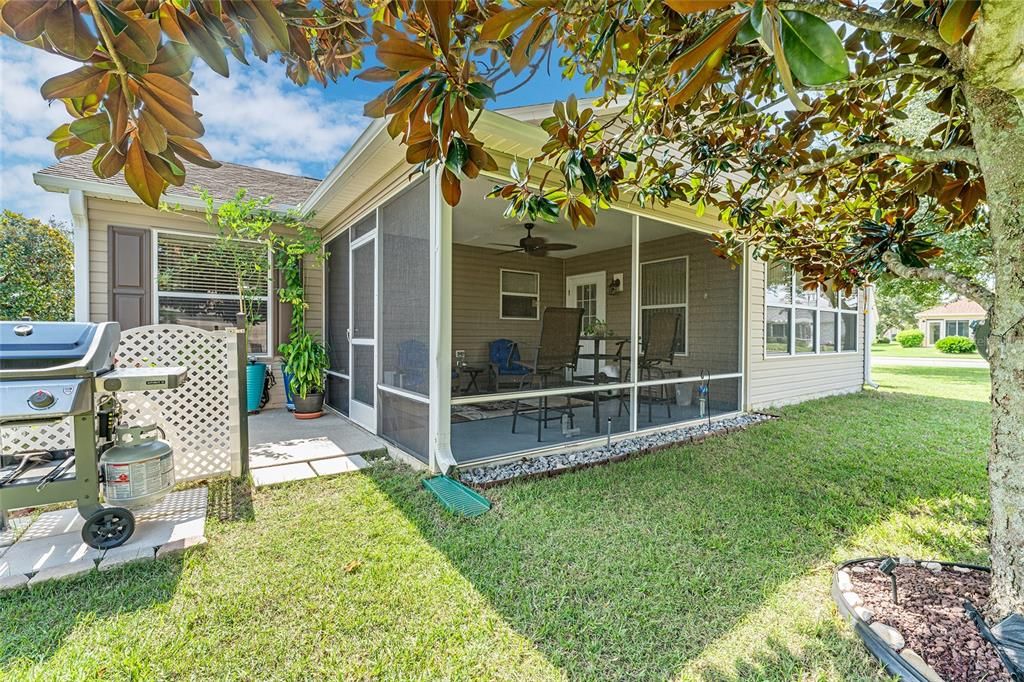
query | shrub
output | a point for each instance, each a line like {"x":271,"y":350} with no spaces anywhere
{"x":883,"y":340}
{"x":956,"y":344}
{"x":910,"y":338}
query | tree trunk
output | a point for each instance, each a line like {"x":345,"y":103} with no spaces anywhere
{"x":998,"y":129}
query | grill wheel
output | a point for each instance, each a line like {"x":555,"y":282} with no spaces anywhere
{"x":108,"y":528}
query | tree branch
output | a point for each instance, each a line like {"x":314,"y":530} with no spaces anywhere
{"x":922,"y":72}
{"x":961,"y":285}
{"x":108,"y":43}
{"x":831,"y":10}
{"x":959,"y":153}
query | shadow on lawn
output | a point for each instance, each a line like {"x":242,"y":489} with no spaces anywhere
{"x":36,"y":621}
{"x":632,"y":570}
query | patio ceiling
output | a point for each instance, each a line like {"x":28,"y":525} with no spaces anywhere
{"x":478,"y":221}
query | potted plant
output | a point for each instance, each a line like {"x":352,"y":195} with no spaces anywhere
{"x":307,"y":363}
{"x":288,"y":257}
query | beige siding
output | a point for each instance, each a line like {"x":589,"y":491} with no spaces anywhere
{"x":104,"y":213}
{"x":782,"y":380}
{"x":476,"y":314}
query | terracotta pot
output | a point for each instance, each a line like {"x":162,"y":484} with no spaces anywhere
{"x":309,"y":407}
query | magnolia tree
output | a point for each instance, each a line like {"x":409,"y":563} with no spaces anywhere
{"x":782,"y":116}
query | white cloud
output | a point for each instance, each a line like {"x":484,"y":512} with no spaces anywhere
{"x":256,"y":117}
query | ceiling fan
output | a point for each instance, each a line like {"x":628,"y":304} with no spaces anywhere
{"x":534,"y":246}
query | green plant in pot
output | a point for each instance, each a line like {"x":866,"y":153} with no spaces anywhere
{"x":307,"y":363}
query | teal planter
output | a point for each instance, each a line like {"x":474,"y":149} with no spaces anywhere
{"x":255,"y":375}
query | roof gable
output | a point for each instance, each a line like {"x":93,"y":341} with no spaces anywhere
{"x":961,"y":306}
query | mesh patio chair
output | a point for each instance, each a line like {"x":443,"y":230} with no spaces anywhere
{"x":558,"y":351}
{"x":659,"y":344}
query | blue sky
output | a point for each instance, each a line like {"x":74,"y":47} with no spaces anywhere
{"x":256,"y":117}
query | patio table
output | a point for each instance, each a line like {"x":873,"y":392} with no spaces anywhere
{"x":597,"y":356}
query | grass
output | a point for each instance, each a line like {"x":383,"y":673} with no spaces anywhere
{"x":708,"y":562}
{"x":895,"y":350}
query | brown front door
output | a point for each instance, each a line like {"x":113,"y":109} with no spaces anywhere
{"x":131,"y":281}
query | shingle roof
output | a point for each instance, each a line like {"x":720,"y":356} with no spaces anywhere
{"x":961,"y":306}
{"x":222,"y":183}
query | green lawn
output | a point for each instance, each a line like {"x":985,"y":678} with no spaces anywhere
{"x":895,"y":350}
{"x":708,"y":562}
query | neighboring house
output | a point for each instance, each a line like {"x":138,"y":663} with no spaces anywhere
{"x":412,"y":293}
{"x":958,"y":318}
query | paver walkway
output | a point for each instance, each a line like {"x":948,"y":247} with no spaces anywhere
{"x":50,"y":546}
{"x":294,"y":460}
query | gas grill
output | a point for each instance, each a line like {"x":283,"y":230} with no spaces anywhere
{"x":51,"y":371}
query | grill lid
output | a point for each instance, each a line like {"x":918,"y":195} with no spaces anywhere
{"x":77,"y":348}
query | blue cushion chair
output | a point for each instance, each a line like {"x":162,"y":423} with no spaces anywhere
{"x":503,"y":358}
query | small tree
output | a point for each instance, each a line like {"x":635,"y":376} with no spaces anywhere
{"x":36,"y":269}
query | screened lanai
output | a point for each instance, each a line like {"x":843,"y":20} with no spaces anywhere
{"x":657,"y":339}
{"x":457,"y":341}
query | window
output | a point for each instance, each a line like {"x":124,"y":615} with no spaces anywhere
{"x":803,"y":322}
{"x":195,"y":287}
{"x":520,"y":295}
{"x":664,"y":287}
{"x":958,"y":328}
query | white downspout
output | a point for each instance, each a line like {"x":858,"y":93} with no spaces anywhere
{"x":80,"y":240}
{"x":869,"y":332}
{"x":441,"y":459}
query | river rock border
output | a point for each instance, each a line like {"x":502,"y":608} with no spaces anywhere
{"x":564,"y":462}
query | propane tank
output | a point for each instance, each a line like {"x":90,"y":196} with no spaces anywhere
{"x":138,"y":470}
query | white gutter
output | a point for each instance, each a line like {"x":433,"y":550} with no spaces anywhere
{"x":80,"y":240}
{"x":869,"y":331}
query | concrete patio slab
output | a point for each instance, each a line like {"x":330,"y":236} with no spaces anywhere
{"x":68,"y":570}
{"x":54,"y":523}
{"x":339,"y":465}
{"x":180,"y":546}
{"x":15,"y":527}
{"x":13,"y":582}
{"x":282,"y":473}
{"x":30,"y":556}
{"x":292,"y":451}
{"x":121,"y":556}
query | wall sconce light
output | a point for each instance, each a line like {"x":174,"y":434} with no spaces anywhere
{"x":615,"y":284}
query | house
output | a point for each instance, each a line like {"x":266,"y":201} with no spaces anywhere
{"x":412,"y":293}
{"x":957,"y":318}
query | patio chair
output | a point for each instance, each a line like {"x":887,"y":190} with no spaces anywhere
{"x":503,"y":360}
{"x":558,"y":351}
{"x":413,"y":360}
{"x":659,"y":344}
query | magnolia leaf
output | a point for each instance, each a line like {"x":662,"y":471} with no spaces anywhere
{"x":138,"y":39}
{"x":203,"y":42}
{"x":114,"y":18}
{"x":698,"y":79}
{"x":440,"y":14}
{"x":451,"y":189}
{"x":71,"y":146}
{"x":141,"y":176}
{"x":747,"y":33}
{"x":152,"y":135}
{"x":770,"y":35}
{"x":68,"y":32}
{"x":108,"y":161}
{"x":717,"y":38}
{"x":171,"y":172}
{"x":61,"y":132}
{"x":482,"y":159}
{"x":481,"y":90}
{"x":375,"y":107}
{"x":691,"y":6}
{"x":175,"y":95}
{"x":173,"y":59}
{"x":401,"y":54}
{"x":168,"y":18}
{"x":93,"y":129}
{"x":503,"y":24}
{"x":117,"y":109}
{"x":264,"y":22}
{"x":191,"y":151}
{"x":27,"y":19}
{"x":457,"y":155}
{"x":957,"y":19}
{"x":83,"y":81}
{"x":812,"y":48}
{"x":376,"y":74}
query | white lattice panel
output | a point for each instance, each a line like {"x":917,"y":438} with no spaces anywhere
{"x":196,"y":418}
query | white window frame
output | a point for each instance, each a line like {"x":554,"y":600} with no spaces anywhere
{"x":839,"y":311}
{"x":671,"y":306}
{"x":157,"y":293}
{"x":502,"y":294}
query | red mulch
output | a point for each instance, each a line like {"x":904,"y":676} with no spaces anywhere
{"x":931,"y":618}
